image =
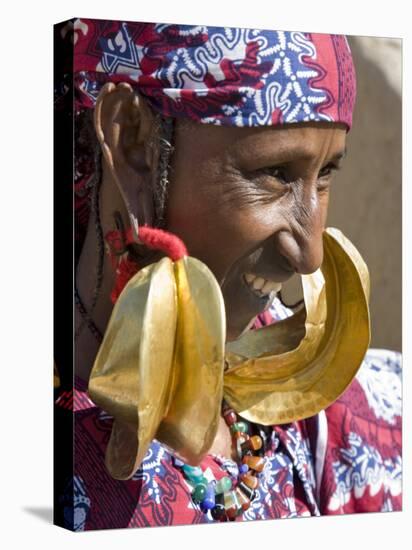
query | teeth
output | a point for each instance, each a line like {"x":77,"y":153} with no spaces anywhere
{"x":258,"y":283}
{"x":261,"y":286}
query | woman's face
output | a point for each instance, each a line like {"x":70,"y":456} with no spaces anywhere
{"x":251,"y":203}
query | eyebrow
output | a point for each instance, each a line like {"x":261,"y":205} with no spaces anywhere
{"x":286,"y":154}
{"x":340,"y":155}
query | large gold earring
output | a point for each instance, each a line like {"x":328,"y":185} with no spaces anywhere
{"x":293,"y":369}
{"x":160,"y":366}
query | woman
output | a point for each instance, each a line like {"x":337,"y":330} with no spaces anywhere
{"x":227,"y":139}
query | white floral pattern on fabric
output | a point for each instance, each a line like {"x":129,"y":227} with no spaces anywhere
{"x":303,"y":462}
{"x":361,"y":467}
{"x":380,"y":376}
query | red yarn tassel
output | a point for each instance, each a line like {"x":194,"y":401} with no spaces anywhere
{"x":157,"y":239}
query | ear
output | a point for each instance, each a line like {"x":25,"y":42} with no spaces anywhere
{"x":124,"y":126}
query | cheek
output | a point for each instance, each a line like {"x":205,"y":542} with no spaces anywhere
{"x":196,"y":218}
{"x":217,"y":231}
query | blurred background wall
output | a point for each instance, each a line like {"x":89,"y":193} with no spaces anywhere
{"x":366,"y":195}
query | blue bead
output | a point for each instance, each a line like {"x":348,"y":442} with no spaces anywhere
{"x":178,"y":462}
{"x":209,"y":501}
{"x":244,"y":468}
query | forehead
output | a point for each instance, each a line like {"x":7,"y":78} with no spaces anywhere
{"x":304,"y":141}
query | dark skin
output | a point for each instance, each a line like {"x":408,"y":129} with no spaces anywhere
{"x":243,"y":200}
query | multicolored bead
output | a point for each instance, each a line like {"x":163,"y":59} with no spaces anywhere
{"x":223,"y":501}
{"x":243,"y":469}
{"x":247,"y":491}
{"x":249,"y":480}
{"x":218,"y":512}
{"x":230,"y":416}
{"x":232,"y":505}
{"x":239,"y":427}
{"x":199,"y":492}
{"x":242,"y":498}
{"x":223,"y":485}
{"x":194,"y":474}
{"x":253,"y":443}
{"x":209,"y":500}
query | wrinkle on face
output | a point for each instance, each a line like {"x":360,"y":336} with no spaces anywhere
{"x":236,"y":217}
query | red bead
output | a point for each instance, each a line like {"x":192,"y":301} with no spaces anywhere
{"x":230,"y":417}
{"x":232,"y":505}
{"x":231,"y":513}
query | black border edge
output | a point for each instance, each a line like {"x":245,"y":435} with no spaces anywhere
{"x":63,"y":267}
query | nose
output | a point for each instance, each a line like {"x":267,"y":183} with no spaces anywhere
{"x":302,"y":243}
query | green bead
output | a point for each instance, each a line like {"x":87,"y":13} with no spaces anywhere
{"x":195,"y":479}
{"x":239,"y":427}
{"x":199,"y":492}
{"x":194,"y":474}
{"x":192,"y":470}
{"x":223,"y":485}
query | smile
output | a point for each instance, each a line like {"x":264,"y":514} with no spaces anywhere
{"x":260,"y":287}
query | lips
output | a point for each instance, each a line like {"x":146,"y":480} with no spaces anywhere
{"x":261,"y":287}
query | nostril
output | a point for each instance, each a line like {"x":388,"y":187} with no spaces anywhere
{"x":301,"y":254}
{"x":286,"y":265}
{"x":311,"y":261}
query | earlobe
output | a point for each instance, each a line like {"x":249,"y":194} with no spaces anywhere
{"x":124,"y":125}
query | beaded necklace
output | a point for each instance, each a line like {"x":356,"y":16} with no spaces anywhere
{"x":225,"y":501}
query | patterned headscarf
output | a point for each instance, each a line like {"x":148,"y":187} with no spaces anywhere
{"x":215,"y":75}
{"x":219,"y":75}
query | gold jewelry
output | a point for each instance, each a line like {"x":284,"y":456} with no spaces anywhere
{"x":160,"y":369}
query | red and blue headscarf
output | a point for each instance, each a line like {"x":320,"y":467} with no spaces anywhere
{"x":219,"y":75}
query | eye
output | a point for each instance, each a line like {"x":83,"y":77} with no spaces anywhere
{"x":327,"y":170}
{"x":277,"y":172}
